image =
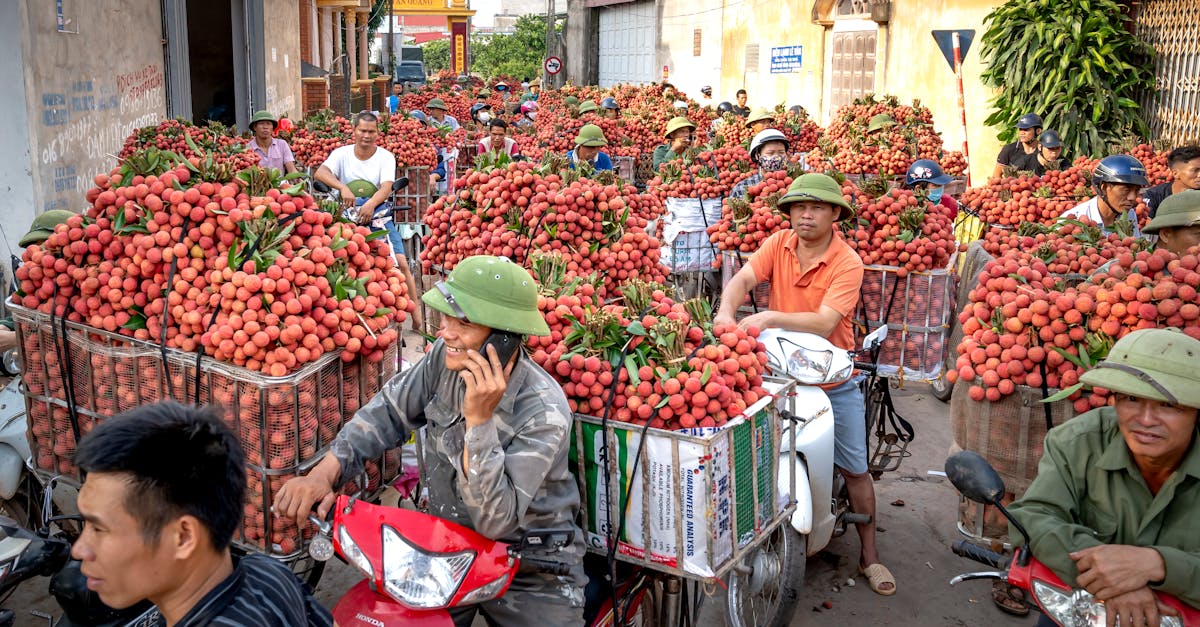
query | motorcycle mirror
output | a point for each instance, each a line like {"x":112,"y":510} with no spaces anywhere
{"x":400,"y":183}
{"x":875,"y":338}
{"x":548,"y":540}
{"x":320,"y":187}
{"x":974,"y":477}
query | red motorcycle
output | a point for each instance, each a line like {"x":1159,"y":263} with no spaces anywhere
{"x":1066,"y":606}
{"x":418,"y":566}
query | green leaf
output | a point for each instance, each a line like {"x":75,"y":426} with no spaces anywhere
{"x":632,"y":369}
{"x":135,"y":323}
{"x":1068,"y":356}
{"x":1063,"y":394}
{"x":374,"y":235}
{"x":707,"y":374}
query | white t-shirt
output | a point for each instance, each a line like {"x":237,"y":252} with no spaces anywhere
{"x":380,"y":168}
{"x":1090,"y":209}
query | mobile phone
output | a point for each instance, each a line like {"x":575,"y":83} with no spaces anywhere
{"x":506,"y":345}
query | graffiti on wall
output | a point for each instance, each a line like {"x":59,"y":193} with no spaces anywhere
{"x":84,"y":123}
{"x":279,"y":106}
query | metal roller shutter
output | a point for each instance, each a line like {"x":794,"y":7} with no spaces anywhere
{"x":628,"y":40}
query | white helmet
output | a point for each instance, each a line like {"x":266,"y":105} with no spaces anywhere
{"x":764,"y":136}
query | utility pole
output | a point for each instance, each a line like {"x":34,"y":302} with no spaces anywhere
{"x":549,"y":37}
{"x":391,"y":52}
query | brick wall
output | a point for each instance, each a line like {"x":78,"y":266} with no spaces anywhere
{"x":367,"y":89}
{"x":383,"y":89}
{"x":306,"y":33}
{"x":315,"y":94}
{"x":338,"y":98}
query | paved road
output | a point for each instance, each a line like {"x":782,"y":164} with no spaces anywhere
{"x":914,"y":542}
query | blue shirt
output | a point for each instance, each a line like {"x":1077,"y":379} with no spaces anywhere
{"x":602,"y":161}
{"x":393,"y":102}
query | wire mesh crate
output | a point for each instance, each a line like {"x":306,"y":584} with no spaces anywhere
{"x":411,"y":201}
{"x":759,"y":298}
{"x":917,"y":309}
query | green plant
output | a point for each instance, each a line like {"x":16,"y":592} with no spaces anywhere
{"x":1074,"y":63}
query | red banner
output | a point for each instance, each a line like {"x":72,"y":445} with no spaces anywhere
{"x":458,"y":47}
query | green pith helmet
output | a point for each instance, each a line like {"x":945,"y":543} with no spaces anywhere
{"x":591,"y":135}
{"x":1182,"y":209}
{"x":43,"y":226}
{"x":818,"y":187}
{"x":437,"y":103}
{"x":362,"y":189}
{"x":263,"y":116}
{"x":759,"y":116}
{"x":880,"y":121}
{"x":571,"y":100}
{"x":677,"y":123}
{"x":490,"y":291}
{"x":483,"y":93}
{"x":1158,"y":364}
{"x":587,"y":106}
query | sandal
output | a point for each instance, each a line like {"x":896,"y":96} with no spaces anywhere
{"x":1009,"y":599}
{"x":877,"y":574}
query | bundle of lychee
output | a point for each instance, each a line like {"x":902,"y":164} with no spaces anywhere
{"x":651,"y":360}
{"x":902,"y":229}
{"x":1022,"y":326}
{"x":747,"y":222}
{"x":412,"y":142}
{"x":702,"y":172}
{"x":802,"y":132}
{"x":847,"y":145}
{"x":1069,"y":248}
{"x":520,"y":208}
{"x":1012,"y":200}
{"x":252,"y":274}
{"x":185,"y":140}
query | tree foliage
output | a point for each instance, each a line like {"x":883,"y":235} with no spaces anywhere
{"x":519,"y":55}
{"x":1074,"y":63}
{"x":437,"y":55}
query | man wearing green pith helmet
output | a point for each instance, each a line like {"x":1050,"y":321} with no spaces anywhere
{"x":496,"y":436}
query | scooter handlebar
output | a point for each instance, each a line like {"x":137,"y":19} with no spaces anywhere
{"x":963,"y":548}
{"x":549,"y":567}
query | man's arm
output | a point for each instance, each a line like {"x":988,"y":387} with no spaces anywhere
{"x":499,"y":483}
{"x":735,"y":293}
{"x":378,"y":198}
{"x":821,"y":322}
{"x":326,"y":176}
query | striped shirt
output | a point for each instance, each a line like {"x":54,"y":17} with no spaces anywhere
{"x":260,"y":592}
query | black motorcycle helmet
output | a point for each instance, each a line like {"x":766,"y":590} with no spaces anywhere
{"x":725,"y":107}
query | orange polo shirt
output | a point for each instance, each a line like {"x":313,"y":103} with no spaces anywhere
{"x":835,"y":280}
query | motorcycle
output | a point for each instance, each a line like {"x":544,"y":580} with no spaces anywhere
{"x":1066,"y":606}
{"x":765,"y":588}
{"x":417,"y":566}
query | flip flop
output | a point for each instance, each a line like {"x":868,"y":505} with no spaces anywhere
{"x":1009,"y":599}
{"x":877,"y":575}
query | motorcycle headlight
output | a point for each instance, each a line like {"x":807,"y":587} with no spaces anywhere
{"x":809,"y":366}
{"x":1078,"y":608}
{"x":351,"y":552}
{"x":419,"y":579}
{"x":486,"y":593}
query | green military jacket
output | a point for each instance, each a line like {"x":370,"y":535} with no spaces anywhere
{"x":1089,"y":492}
{"x":662,"y":154}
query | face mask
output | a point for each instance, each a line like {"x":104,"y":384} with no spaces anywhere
{"x":484,"y":116}
{"x":935,"y":195}
{"x":531,"y":115}
{"x":771,"y":163}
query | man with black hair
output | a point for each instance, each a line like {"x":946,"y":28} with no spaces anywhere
{"x":741,"y":108}
{"x":1185,"y":169}
{"x":163,"y":496}
{"x":497,"y":140}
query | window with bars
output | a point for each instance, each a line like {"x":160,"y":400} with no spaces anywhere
{"x":696,"y":42}
{"x":751,"y":57}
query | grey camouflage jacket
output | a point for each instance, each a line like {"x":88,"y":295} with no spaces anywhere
{"x":519,"y":478}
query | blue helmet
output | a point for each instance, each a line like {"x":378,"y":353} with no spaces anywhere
{"x":419,"y":115}
{"x":609,"y":103}
{"x":926,"y":171}
{"x":1029,"y":120}
{"x":1050,"y":139}
{"x":725,"y":107}
{"x":1120,"y":169}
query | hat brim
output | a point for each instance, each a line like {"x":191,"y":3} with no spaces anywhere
{"x":524,"y":323}
{"x":1171,"y":221}
{"x":34,"y":236}
{"x":1125,"y":383}
{"x":592,"y":143}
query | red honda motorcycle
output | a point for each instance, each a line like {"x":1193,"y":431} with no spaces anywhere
{"x":1066,"y":606}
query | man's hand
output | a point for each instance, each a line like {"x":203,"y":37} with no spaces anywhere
{"x":1139,"y":608}
{"x":1110,"y":570}
{"x":486,"y":381}
{"x":721,"y":318}
{"x":296,"y":498}
{"x":762,"y":320}
{"x":346,"y":196}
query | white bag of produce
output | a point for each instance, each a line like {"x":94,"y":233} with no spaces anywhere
{"x":686,"y":247}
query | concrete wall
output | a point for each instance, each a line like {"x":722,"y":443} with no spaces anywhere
{"x":773,"y":24}
{"x":689,"y":72}
{"x":16,"y":166}
{"x":282,"y":47}
{"x":86,"y":91}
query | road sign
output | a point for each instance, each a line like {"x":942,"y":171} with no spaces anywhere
{"x":553,"y":65}
{"x":786,"y":59}
{"x":945,"y":42}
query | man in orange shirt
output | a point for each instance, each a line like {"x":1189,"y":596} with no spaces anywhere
{"x":815,"y":283}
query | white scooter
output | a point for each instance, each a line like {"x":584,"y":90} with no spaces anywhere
{"x":764,"y":589}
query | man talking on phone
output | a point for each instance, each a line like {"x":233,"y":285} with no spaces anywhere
{"x":496,"y":436}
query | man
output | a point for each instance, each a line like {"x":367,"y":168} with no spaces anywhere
{"x":498,"y":140}
{"x":1113,"y":506}
{"x":1184,"y":163}
{"x":532,"y":92}
{"x":162,"y":498}
{"x":572,"y":104}
{"x":272,"y":152}
{"x":928,"y":176}
{"x":815,"y":282}
{"x":505,"y":92}
{"x":1021,"y":154}
{"x":760,"y":120}
{"x":482,"y":95}
{"x":706,"y":97}
{"x":669,"y":93}
{"x":587,"y":149}
{"x":741,"y":108}
{"x":393,"y":101}
{"x":611,"y":109}
{"x":1117,"y":181}
{"x":588,"y":106}
{"x":363,"y":174}
{"x":1177,"y":224}
{"x":1050,"y":153}
{"x":437,"y":113}
{"x":496,"y":437}
{"x":768,"y":150}
{"x":679,"y":138}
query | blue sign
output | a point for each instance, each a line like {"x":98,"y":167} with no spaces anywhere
{"x":786,"y":59}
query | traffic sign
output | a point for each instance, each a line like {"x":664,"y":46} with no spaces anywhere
{"x":553,"y":65}
{"x":945,"y":42}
